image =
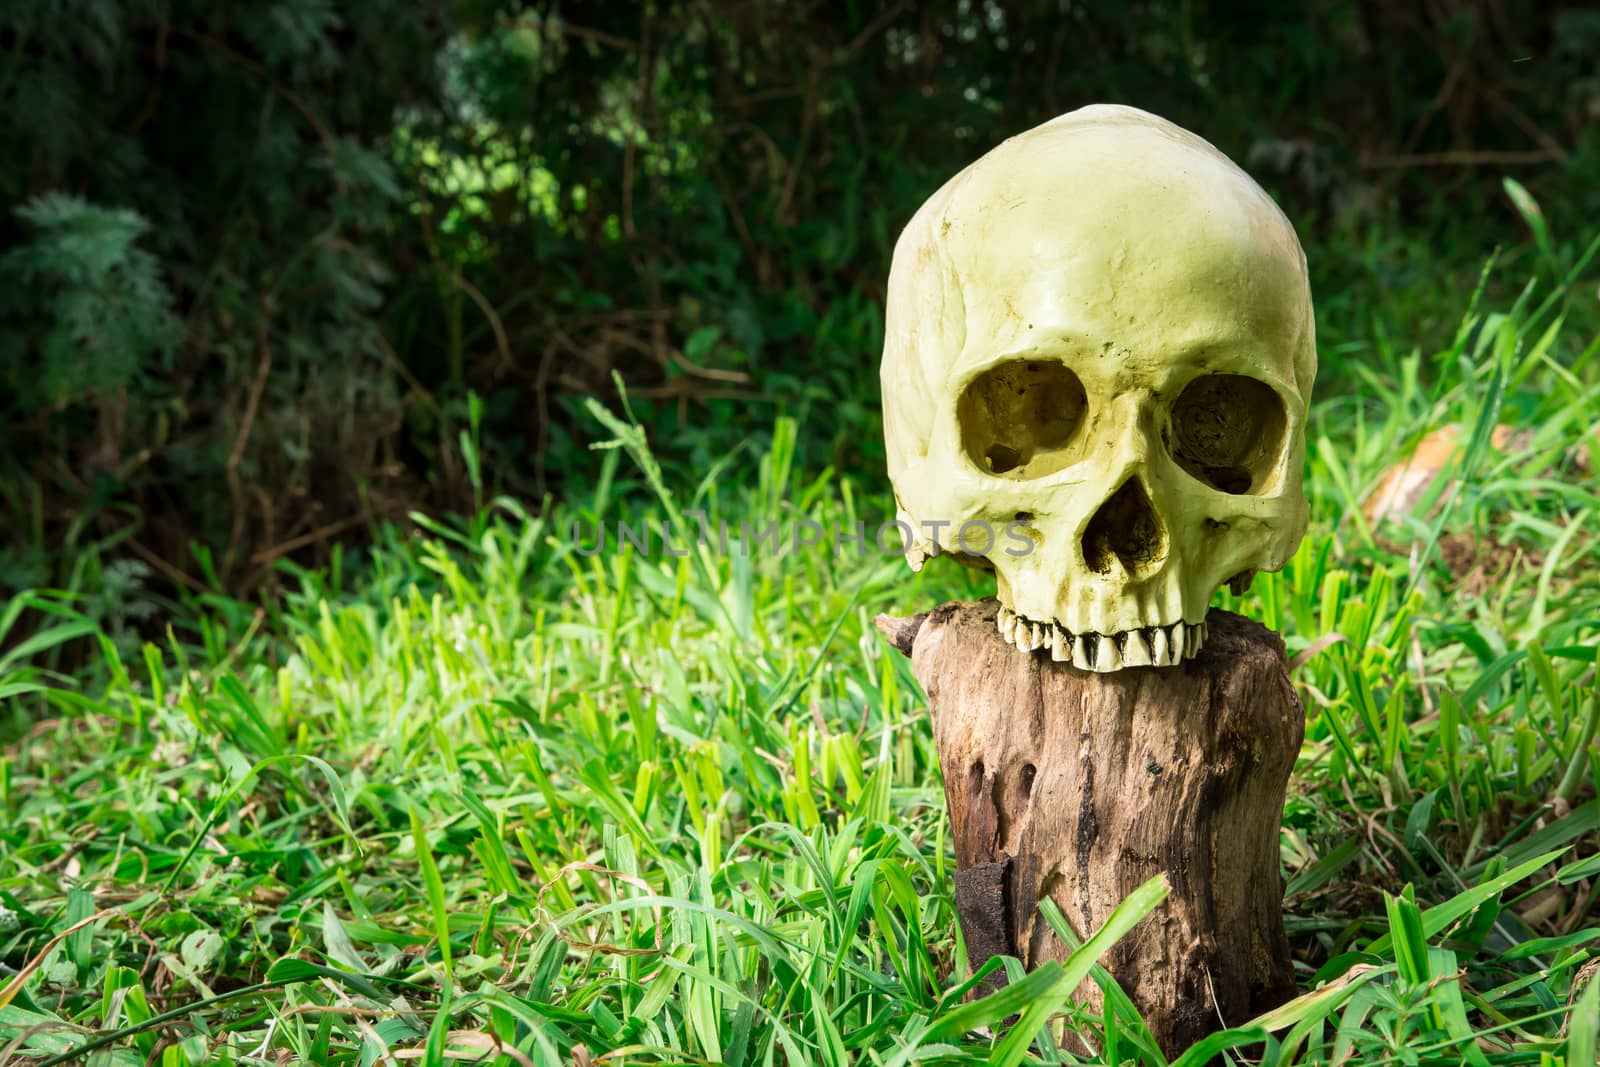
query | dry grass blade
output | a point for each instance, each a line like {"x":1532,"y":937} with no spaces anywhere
{"x":9,"y":991}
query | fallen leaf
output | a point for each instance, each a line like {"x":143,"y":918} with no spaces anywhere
{"x":1404,"y":484}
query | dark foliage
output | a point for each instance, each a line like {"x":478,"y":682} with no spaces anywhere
{"x":260,"y":253}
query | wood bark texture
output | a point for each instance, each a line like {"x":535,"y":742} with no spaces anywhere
{"x":1081,"y":786}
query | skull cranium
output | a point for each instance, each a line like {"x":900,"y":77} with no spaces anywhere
{"x":1100,"y":335}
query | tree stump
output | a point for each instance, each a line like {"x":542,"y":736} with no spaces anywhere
{"x":1081,"y":786}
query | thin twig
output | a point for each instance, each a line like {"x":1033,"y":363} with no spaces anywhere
{"x":1520,"y":119}
{"x":808,"y":120}
{"x":871,"y":29}
{"x":246,"y":423}
{"x":500,"y":339}
{"x":278,"y":87}
{"x":1459,"y":159}
{"x":641,"y":110}
{"x":401,"y":369}
{"x":321,"y":533}
{"x":569,"y":29}
{"x":164,"y":567}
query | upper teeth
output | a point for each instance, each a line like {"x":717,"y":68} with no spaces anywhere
{"x":1159,"y":646}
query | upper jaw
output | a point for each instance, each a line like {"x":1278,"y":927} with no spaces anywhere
{"x":1148,"y":646}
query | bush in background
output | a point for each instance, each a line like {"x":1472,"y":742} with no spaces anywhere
{"x":261,"y":254}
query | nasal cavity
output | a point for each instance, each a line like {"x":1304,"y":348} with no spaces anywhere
{"x":1125,"y":530}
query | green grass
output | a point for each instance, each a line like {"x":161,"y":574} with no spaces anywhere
{"x":478,"y":795}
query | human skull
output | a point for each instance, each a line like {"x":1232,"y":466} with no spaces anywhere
{"x":1099,"y":340}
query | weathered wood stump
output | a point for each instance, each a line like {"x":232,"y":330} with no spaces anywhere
{"x":1081,"y":786}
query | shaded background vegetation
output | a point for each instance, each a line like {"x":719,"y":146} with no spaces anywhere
{"x":259,"y":257}
{"x":275,"y":273}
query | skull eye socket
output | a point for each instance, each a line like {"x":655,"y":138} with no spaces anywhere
{"x":1018,"y":419}
{"x":1228,"y":431}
